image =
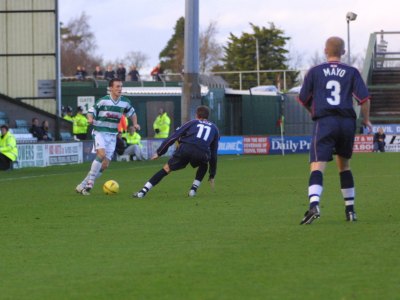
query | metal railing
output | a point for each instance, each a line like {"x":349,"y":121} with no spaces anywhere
{"x":378,"y":56}
{"x":244,"y":79}
{"x":383,"y":56}
{"x":240,"y":76}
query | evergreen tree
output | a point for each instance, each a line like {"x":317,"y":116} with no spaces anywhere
{"x":172,"y":55}
{"x":241,"y":55}
{"x":210,"y":52}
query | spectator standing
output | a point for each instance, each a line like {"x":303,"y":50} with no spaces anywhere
{"x":379,"y":140}
{"x":161,"y":124}
{"x":8,"y":149}
{"x":68,"y":115}
{"x":198,"y":146}
{"x":105,"y":116}
{"x":121,"y":72}
{"x":109,"y":73}
{"x":156,"y":72}
{"x":84,"y":73}
{"x":327,"y":93}
{"x":134,"y":74}
{"x":37,"y":131}
{"x":80,"y":73}
{"x":133,"y":142}
{"x":80,"y":125}
{"x":98,"y":73}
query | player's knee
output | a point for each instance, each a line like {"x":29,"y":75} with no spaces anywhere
{"x":101,"y":153}
{"x":343,"y":164}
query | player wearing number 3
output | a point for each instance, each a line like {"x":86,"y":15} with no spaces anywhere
{"x":327,"y":93}
{"x":198,"y":145}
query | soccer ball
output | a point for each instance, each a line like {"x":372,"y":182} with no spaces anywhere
{"x":111,"y":187}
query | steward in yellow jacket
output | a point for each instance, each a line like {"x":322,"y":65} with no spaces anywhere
{"x":68,"y":115}
{"x":133,"y":142}
{"x":80,"y":125}
{"x":161,"y":125}
{"x":8,"y":148}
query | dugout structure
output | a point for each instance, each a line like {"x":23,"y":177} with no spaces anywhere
{"x":234,"y":112}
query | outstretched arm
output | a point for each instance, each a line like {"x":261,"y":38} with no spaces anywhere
{"x":134,"y":121}
{"x":365,"y":113}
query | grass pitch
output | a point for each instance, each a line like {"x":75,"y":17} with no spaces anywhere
{"x":241,"y":241}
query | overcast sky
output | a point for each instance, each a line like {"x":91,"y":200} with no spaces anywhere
{"x":121,"y":26}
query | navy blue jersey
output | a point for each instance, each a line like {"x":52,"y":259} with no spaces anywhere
{"x":329,"y":88}
{"x":201,"y":133}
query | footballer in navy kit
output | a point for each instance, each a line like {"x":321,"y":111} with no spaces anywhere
{"x":198,"y":145}
{"x":327,"y":93}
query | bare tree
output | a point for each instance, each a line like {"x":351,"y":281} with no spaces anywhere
{"x":294,"y":57}
{"x":356,"y":59}
{"x":79,"y":34}
{"x":78,"y":45}
{"x":172,"y":56}
{"x":136,"y":58}
{"x":210,"y":50}
{"x":317,"y":59}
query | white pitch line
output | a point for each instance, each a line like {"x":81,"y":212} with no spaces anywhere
{"x":59,"y":174}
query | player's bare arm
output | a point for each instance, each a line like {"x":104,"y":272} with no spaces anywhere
{"x":134,"y":122}
{"x":365,"y":113}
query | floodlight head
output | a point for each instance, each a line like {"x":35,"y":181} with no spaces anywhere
{"x":350,"y":16}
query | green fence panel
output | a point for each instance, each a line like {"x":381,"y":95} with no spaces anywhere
{"x":260,"y":114}
{"x":215,"y":100}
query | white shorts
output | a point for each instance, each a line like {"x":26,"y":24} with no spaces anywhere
{"x":106,"y":141}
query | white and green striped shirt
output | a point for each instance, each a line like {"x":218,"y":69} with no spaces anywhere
{"x":107,"y":113}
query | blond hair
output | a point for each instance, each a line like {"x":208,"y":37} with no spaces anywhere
{"x":334,"y":47}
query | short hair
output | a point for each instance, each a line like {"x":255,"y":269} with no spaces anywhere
{"x":111,"y":82}
{"x":203,"y":112}
{"x":334,"y":46}
{"x":4,"y":126}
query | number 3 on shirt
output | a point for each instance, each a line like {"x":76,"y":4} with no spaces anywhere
{"x":203,"y":127}
{"x":334,"y":87}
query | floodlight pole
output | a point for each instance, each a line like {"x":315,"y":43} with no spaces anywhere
{"x":58,"y":70}
{"x":258,"y":62}
{"x":191,"y":96}
{"x":348,"y":41}
{"x":350,"y":16}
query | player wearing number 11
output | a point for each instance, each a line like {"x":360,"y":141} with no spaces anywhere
{"x":198,"y":145}
{"x":327,"y":93}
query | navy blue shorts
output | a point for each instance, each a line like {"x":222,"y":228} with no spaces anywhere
{"x":185,"y":154}
{"x":332,"y":135}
